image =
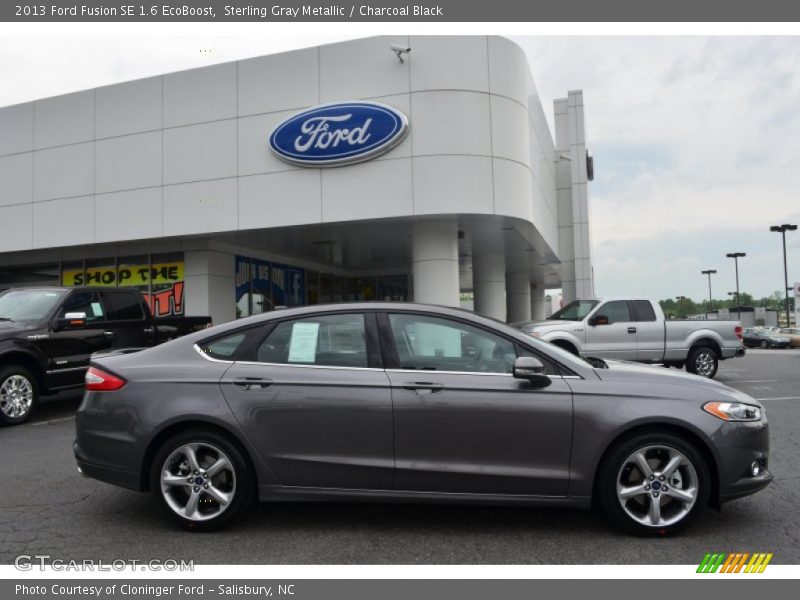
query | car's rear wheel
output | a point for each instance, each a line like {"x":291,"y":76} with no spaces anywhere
{"x":764,"y":344}
{"x":702,"y":361}
{"x":653,"y":484}
{"x":202,"y":479}
{"x":19,"y":394}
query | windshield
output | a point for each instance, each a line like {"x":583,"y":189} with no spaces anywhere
{"x":27,"y":305}
{"x":575,"y":310}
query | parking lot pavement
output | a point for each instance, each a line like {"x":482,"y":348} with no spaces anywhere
{"x":48,"y":508}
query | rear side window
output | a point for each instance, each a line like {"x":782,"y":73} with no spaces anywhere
{"x":617,"y":311}
{"x":325,"y":340}
{"x":644,"y":311}
{"x":122,"y":306}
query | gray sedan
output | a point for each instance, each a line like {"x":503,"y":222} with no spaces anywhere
{"x":399,"y":402}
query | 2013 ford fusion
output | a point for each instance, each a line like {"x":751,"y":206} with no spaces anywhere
{"x":411,"y":402}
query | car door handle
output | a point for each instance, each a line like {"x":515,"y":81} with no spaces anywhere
{"x":631,"y":329}
{"x":109,"y":333}
{"x":252,"y":383}
{"x":423,"y":385}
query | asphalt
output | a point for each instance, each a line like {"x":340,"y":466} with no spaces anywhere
{"x":47,"y":508}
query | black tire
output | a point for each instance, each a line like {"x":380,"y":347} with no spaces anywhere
{"x":243,"y":479}
{"x":764,"y":344}
{"x":702,"y":361}
{"x":616,"y":459}
{"x":9,"y":415}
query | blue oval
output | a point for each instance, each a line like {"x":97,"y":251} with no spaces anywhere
{"x":338,"y":134}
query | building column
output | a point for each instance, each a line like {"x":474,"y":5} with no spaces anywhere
{"x":434,"y":256}
{"x":538,"y":302}
{"x":489,"y":284}
{"x":518,"y":296}
{"x":210,"y":285}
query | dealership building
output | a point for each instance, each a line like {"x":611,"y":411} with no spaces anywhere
{"x":387,"y":168}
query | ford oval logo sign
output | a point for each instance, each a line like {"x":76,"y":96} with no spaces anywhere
{"x":338,"y":134}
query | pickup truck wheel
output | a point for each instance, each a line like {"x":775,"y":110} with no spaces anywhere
{"x":19,"y":394}
{"x":653,"y":484}
{"x":702,"y":361}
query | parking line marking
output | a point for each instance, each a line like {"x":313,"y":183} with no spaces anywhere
{"x":53,"y":421}
{"x":753,"y":381}
{"x":779,"y":398}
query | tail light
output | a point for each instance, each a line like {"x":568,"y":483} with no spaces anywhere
{"x":98,"y":380}
{"x":739,"y":332}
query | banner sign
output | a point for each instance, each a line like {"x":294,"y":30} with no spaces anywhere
{"x":285,"y":284}
{"x":124,"y":275}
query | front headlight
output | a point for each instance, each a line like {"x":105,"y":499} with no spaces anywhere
{"x":733,"y":411}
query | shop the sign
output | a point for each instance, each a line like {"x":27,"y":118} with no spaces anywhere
{"x":338,"y":134}
{"x":134,"y":275}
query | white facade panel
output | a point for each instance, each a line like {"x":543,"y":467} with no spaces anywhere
{"x":280,"y":199}
{"x":508,"y":69}
{"x":200,"y":207}
{"x":452,"y":63}
{"x":198,"y":152}
{"x":67,"y":119}
{"x":64,"y":222}
{"x":16,"y":179}
{"x":275,"y":83}
{"x":63,"y":172}
{"x":510,"y":135}
{"x":16,"y":227}
{"x":512,"y":190}
{"x":129,"y":162}
{"x":16,"y":128}
{"x":129,"y":215}
{"x":451,"y":123}
{"x":131,"y":107}
{"x":365,"y":68}
{"x":371,"y":190}
{"x":453,"y":184}
{"x":199,"y":95}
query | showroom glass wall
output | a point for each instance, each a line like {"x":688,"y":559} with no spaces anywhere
{"x":160,"y":277}
{"x":262,"y":285}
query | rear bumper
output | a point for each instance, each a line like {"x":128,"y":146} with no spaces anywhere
{"x":126,"y":479}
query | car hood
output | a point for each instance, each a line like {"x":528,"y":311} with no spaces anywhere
{"x":619,"y":370}
{"x":12,"y":329}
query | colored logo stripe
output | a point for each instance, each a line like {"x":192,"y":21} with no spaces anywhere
{"x":735,"y":562}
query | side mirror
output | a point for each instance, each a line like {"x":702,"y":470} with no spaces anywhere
{"x":531,"y":369}
{"x":598,"y":320}
{"x":73,"y":320}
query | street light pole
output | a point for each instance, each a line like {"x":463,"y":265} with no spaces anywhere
{"x":782,"y":229}
{"x":709,"y":272}
{"x":736,"y":256}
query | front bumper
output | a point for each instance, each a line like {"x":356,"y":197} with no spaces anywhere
{"x":739,"y":445}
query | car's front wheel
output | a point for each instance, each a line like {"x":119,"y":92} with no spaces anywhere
{"x":202,"y":479}
{"x":19,"y":394}
{"x":653,"y":484}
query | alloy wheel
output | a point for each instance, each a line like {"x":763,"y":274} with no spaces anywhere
{"x":198,"y":481}
{"x":657,"y":486}
{"x":16,"y":396}
{"x":704,"y":363}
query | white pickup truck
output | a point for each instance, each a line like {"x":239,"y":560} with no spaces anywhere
{"x":635,"y":329}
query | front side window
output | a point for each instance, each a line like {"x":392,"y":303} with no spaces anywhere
{"x":435,"y":344}
{"x":83,"y":302}
{"x":617,"y":311}
{"x":325,"y":340}
{"x":574,"y":311}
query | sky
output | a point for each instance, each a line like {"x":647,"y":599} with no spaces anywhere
{"x":696,"y":140}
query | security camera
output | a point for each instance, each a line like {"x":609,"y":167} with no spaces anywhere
{"x":399,"y":50}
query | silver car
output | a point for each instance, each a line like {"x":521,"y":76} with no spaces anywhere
{"x":386,"y":401}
